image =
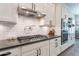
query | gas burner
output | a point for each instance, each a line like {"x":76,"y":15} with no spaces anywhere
{"x":31,"y":38}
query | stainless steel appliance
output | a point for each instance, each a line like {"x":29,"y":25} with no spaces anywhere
{"x":29,"y":12}
{"x":31,"y":38}
{"x":64,"y":30}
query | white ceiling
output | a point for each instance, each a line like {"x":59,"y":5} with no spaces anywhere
{"x":73,"y":7}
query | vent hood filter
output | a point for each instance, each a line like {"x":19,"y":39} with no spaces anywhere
{"x":29,"y":13}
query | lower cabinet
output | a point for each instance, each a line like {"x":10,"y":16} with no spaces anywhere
{"x":11,"y":52}
{"x":65,"y":46}
{"x":41,"y":51}
{"x":46,"y":48}
{"x":71,"y":38}
{"x":52,"y":47}
{"x":30,"y":53}
{"x":37,"y":49}
{"x":70,"y":42}
{"x":44,"y":51}
{"x":55,"y":46}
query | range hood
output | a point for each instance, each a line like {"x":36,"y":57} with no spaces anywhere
{"x":29,"y":13}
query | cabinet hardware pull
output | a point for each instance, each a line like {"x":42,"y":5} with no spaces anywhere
{"x":55,"y":39}
{"x":56,"y":43}
{"x":39,"y":51}
{"x":5,"y":54}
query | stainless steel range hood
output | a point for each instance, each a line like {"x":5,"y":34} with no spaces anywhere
{"x":29,"y":13}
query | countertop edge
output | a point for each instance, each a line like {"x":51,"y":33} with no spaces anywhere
{"x":5,"y":48}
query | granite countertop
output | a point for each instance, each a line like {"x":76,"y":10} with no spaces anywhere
{"x":7,"y":44}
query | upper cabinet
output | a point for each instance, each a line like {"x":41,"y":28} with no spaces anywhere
{"x":58,"y":9}
{"x":8,"y":12}
{"x":48,"y":9}
{"x":58,"y":15}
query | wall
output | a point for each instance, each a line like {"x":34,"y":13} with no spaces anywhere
{"x":5,"y":27}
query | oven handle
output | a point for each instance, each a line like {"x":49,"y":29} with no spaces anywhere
{"x":5,"y":54}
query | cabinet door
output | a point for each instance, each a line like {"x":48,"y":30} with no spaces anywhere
{"x":8,"y":12}
{"x":68,"y":43}
{"x":12,"y":52}
{"x":57,"y":46}
{"x":48,"y":9}
{"x":71,"y":38}
{"x":37,"y":49}
{"x":58,"y":19}
{"x":44,"y":51}
{"x":30,"y":53}
{"x":52,"y":47}
{"x":58,"y":15}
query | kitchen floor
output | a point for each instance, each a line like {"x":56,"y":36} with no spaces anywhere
{"x":72,"y":51}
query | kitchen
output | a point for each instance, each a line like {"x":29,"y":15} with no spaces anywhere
{"x":36,"y":29}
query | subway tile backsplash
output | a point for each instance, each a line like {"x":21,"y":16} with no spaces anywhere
{"x":19,"y":28}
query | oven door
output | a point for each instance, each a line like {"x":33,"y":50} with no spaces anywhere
{"x":64,"y":37}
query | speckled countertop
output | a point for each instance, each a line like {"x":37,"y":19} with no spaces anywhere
{"x":6,"y":44}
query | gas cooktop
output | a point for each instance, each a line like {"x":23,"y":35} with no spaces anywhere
{"x":31,"y":38}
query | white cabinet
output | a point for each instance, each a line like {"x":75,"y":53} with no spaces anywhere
{"x":48,"y":9}
{"x":58,"y":14}
{"x":64,"y":46}
{"x":30,"y":53}
{"x":44,"y":51}
{"x":11,"y":52}
{"x":71,"y":38}
{"x":58,"y":10}
{"x":52,"y":47}
{"x":8,"y":12}
{"x":37,"y":49}
{"x":55,"y":46}
{"x":70,"y":42}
